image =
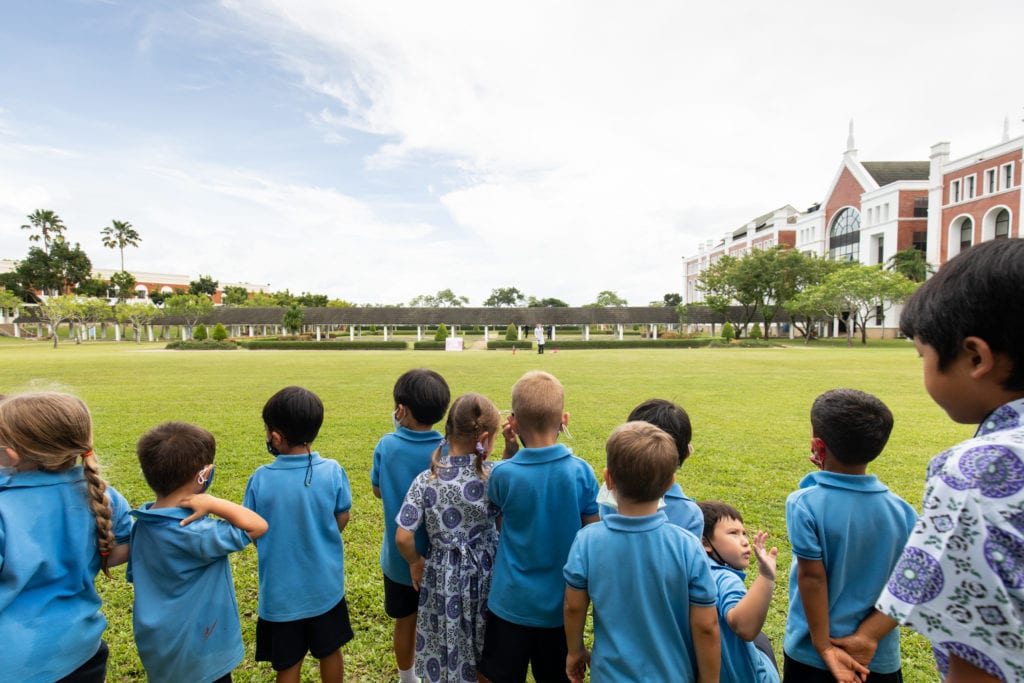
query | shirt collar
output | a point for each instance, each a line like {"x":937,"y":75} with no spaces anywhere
{"x":852,"y":482}
{"x":1007,"y":416}
{"x":535,"y":456}
{"x":148,"y":513}
{"x":715,"y":566}
{"x":619,"y":522}
{"x":413,"y":435}
{"x":34,"y":478}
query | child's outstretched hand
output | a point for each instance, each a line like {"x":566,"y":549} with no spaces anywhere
{"x":201,"y":504}
{"x":576,"y":664}
{"x":765,"y":559}
{"x":511,"y":443}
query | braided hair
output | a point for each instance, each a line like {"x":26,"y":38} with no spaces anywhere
{"x":52,"y":430}
{"x":469,"y":417}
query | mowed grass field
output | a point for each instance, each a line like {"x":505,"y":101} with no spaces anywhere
{"x":749,"y":409}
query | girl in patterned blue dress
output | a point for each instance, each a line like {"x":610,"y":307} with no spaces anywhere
{"x":454,"y":578}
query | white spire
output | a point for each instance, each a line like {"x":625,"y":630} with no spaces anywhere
{"x":851,"y":147}
{"x":1006,"y":129}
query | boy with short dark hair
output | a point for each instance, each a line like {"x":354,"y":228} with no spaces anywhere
{"x":747,"y":655}
{"x":185,"y":616}
{"x":306,"y":499}
{"x":421,"y":399}
{"x":960,"y":579}
{"x":650,"y":582}
{"x":847,"y":530}
{"x":546,"y":494}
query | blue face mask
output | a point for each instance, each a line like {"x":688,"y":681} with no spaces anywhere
{"x":271,"y":449}
{"x":205,"y":478}
{"x":394,"y":420}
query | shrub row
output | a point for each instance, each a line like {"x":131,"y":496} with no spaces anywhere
{"x":202,"y":346}
{"x":326,"y":345}
{"x":428,"y":345}
{"x":505,"y":344}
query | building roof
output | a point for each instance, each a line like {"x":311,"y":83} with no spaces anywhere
{"x":886,"y":172}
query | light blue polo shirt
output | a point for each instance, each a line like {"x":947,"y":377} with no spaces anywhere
{"x":857,"y":528}
{"x":185,"y":616}
{"x":301,"y":557}
{"x":542,"y":493}
{"x":643,"y":575}
{"x":50,"y":620}
{"x":680,"y":509}
{"x":397,"y":459}
{"x":742,"y":662}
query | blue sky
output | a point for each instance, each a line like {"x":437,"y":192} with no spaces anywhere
{"x":377,"y":151}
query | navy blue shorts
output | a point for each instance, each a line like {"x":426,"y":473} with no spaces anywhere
{"x":285,"y":643}
{"x":509,"y":648}
{"x":400,"y":601}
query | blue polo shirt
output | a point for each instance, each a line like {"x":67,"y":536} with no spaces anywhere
{"x":857,"y":528}
{"x":742,"y":662}
{"x":542,"y":493}
{"x":680,"y":509}
{"x":397,"y":459}
{"x":50,"y":620}
{"x":185,"y":616}
{"x":643,"y":575}
{"x":301,"y":557}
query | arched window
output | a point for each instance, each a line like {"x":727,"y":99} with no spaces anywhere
{"x":844,"y":236}
{"x":966,"y":233}
{"x":1002,"y":225}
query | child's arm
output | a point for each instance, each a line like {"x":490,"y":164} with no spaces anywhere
{"x":406,"y":542}
{"x":511,"y":443}
{"x":236,"y":515}
{"x":962,"y":671}
{"x":747,"y":618}
{"x":862,"y":643}
{"x":574,"y":610}
{"x":118,"y":555}
{"x":342,"y":520}
{"x":812,"y":581}
{"x":707,"y":643}
{"x":376,"y":491}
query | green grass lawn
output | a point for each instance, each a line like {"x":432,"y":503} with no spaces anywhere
{"x":749,"y":409}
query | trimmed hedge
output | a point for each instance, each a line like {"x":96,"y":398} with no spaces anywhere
{"x":504,"y":344}
{"x":202,"y":346}
{"x":699,"y":343}
{"x":428,"y":345}
{"x":326,"y":345}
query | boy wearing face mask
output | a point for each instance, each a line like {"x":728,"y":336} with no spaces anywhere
{"x":185,"y":617}
{"x":421,"y":399}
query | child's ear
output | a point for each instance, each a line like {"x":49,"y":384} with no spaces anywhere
{"x":12,"y":456}
{"x":707,"y":546}
{"x":983,"y":360}
{"x":608,"y":479}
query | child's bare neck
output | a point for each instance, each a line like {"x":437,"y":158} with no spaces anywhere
{"x":631,"y":508}
{"x":301,"y":449}
{"x":833,"y":465}
{"x":174,"y":498}
{"x":538,"y":439}
{"x":413,"y":425}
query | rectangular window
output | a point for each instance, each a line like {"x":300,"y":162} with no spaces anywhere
{"x":954,"y":191}
{"x":990,"y":181}
{"x":970,"y":186}
{"x":879,"y":317}
{"x":879,"y":249}
{"x":885,"y":212}
{"x":920,"y":240}
{"x":1007,"y":175}
{"x":920,"y":207}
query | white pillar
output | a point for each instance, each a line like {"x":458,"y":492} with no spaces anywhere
{"x":385,"y":332}
{"x":117,"y":332}
{"x":318,"y":333}
{"x":351,"y":332}
{"x":485,"y":332}
{"x":620,"y":331}
{"x":552,"y":333}
{"x":17,"y":331}
{"x":252,"y":331}
{"x":654,"y":331}
{"x":149,"y":332}
{"x":519,"y":332}
{"x":586,"y":333}
{"x":419,"y":333}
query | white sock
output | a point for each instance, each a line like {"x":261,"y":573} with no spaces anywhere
{"x":408,"y":675}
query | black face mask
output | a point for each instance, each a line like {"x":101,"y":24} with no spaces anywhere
{"x":271,"y":449}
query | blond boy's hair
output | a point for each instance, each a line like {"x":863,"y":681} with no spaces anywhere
{"x":642,"y":461}
{"x":538,"y":401}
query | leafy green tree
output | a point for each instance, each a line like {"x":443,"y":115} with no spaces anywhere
{"x":755,"y":331}
{"x":219,"y":332}
{"x":95,"y":310}
{"x":49,"y":227}
{"x":125,"y":284}
{"x":235,"y":296}
{"x":204,"y":285}
{"x":717,"y":285}
{"x":445,"y":298}
{"x":189,"y":307}
{"x":56,"y":271}
{"x":200,"y":332}
{"x":442,"y":333}
{"x":118,"y":235}
{"x":505,"y":296}
{"x":93,"y":286}
{"x":56,"y":310}
{"x":673,"y":299}
{"x":284,"y":299}
{"x":312,"y":300}
{"x":510,"y":333}
{"x":293,"y":319}
{"x":728,"y":333}
{"x":10,"y":303}
{"x":912,"y":263}
{"x":261,"y":300}
{"x":158,"y":298}
{"x":547,"y":302}
{"x":139,"y":313}
{"x":609,"y":299}
{"x":339,"y":303}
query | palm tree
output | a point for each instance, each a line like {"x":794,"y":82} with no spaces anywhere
{"x":48,"y":224}
{"x":912,"y":264}
{"x":118,"y":235}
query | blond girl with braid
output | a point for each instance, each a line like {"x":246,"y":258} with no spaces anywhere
{"x":59,"y":525}
{"x":454,"y":579}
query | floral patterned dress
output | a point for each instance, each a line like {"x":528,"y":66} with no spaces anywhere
{"x":460,"y":522}
{"x":960,"y":580}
